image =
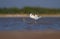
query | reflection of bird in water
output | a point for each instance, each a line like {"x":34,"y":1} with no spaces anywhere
{"x":35,"y":17}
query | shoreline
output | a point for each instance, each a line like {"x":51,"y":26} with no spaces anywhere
{"x":29,"y":35}
{"x":27,"y":15}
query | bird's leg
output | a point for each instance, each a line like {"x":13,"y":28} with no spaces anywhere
{"x":35,"y":21}
{"x":23,"y":19}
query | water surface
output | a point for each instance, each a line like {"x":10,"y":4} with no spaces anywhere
{"x":27,"y":23}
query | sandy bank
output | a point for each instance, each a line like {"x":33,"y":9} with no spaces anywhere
{"x":14,"y":15}
{"x":27,"y":15}
{"x":29,"y":35}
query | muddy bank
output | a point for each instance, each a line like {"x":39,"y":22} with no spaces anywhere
{"x":29,"y":35}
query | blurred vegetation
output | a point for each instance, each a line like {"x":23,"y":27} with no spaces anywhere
{"x":27,"y":10}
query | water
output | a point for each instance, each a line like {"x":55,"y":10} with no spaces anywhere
{"x":27,"y":23}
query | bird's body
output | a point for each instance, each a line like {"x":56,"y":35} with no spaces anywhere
{"x":35,"y":17}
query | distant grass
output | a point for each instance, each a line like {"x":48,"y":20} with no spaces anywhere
{"x":27,"y":10}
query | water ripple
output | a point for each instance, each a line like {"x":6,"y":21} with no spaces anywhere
{"x":28,"y":24}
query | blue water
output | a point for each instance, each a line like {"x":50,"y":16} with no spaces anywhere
{"x":27,"y":23}
{"x":32,"y":3}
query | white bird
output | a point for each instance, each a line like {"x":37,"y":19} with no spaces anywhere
{"x":35,"y":17}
